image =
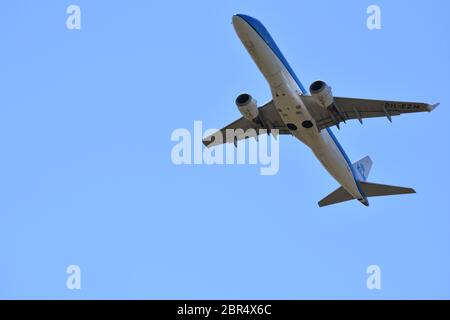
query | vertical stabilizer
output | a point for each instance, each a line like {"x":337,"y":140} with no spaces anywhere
{"x":362,"y":168}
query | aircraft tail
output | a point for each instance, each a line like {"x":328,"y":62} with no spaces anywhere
{"x":337,"y":196}
{"x":368,"y":189}
{"x":376,"y":189}
{"x":362,"y":168}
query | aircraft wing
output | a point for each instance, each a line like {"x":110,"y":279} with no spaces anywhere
{"x":351,"y":108}
{"x":267,"y":120}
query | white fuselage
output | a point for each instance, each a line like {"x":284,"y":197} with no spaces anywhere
{"x":287,"y":94}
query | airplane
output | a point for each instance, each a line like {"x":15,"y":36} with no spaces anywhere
{"x":308,"y":117}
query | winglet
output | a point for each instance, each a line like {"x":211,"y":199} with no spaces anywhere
{"x":431,"y":107}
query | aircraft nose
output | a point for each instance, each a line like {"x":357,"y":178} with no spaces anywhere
{"x":240,"y":24}
{"x":236,"y":20}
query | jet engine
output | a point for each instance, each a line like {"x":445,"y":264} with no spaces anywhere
{"x":321,"y":93}
{"x":247,"y":106}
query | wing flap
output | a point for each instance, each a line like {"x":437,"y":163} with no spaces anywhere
{"x":354,"y":108}
{"x":230,"y":133}
{"x":268,"y":120}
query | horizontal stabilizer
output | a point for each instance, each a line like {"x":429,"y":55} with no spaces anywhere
{"x":431,"y":107}
{"x":339,"y":195}
{"x":369,"y":190}
{"x":375,"y":189}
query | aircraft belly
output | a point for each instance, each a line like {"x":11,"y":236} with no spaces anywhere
{"x":293,"y":112}
{"x":334,"y":162}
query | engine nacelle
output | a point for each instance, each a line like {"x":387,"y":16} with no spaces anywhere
{"x":321,"y":92}
{"x":247,"y":106}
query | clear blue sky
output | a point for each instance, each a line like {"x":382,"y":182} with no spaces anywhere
{"x":86,"y":176}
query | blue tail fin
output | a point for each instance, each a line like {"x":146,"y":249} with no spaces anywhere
{"x":362,"y":168}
